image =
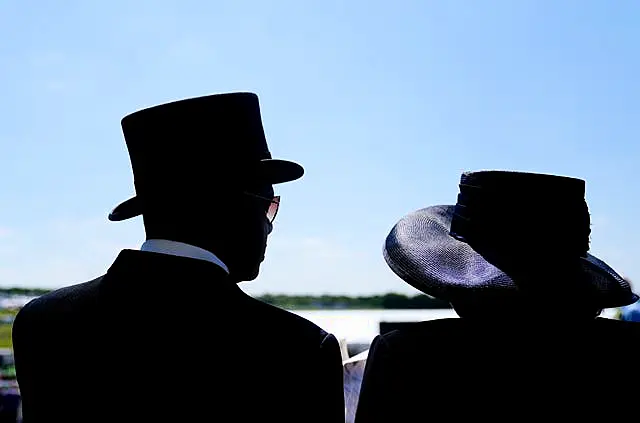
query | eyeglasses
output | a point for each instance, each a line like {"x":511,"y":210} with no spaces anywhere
{"x":274,"y":205}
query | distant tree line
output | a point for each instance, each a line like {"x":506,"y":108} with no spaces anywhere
{"x":28,"y":292}
{"x":386,"y":301}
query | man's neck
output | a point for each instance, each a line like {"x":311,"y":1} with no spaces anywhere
{"x":175,"y":248}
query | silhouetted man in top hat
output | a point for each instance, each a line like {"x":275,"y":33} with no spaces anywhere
{"x":99,"y":351}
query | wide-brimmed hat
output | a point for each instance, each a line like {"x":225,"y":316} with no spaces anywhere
{"x":505,"y":225}
{"x":198,"y":147}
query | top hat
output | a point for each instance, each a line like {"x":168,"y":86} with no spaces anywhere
{"x":198,"y":146}
{"x":503,"y":226}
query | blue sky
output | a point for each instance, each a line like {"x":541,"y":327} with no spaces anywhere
{"x":384,"y":104}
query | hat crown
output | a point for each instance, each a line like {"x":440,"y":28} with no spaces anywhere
{"x":190,"y":144}
{"x":208,"y":131}
{"x":533,"y":183}
{"x":523,"y":210}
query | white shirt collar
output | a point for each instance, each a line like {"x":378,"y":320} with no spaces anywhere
{"x":175,"y":248}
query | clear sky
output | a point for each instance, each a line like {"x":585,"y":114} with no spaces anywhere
{"x":384,"y":103}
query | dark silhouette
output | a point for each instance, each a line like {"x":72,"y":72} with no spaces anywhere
{"x":99,"y":351}
{"x":511,"y":256}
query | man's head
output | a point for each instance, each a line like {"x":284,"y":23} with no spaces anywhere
{"x":246,"y":248}
{"x":234,"y":226}
{"x":204,"y":175}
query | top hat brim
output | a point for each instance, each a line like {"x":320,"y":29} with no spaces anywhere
{"x":271,"y":171}
{"x":421,"y":251}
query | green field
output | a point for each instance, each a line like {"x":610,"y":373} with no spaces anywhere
{"x":5,"y":329}
{"x":5,"y":336}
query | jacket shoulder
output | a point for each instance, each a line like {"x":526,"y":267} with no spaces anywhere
{"x":419,"y":329}
{"x":57,"y":304}
{"x":295,"y":325}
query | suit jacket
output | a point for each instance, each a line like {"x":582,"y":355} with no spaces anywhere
{"x":460,"y":370}
{"x":166,"y":338}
